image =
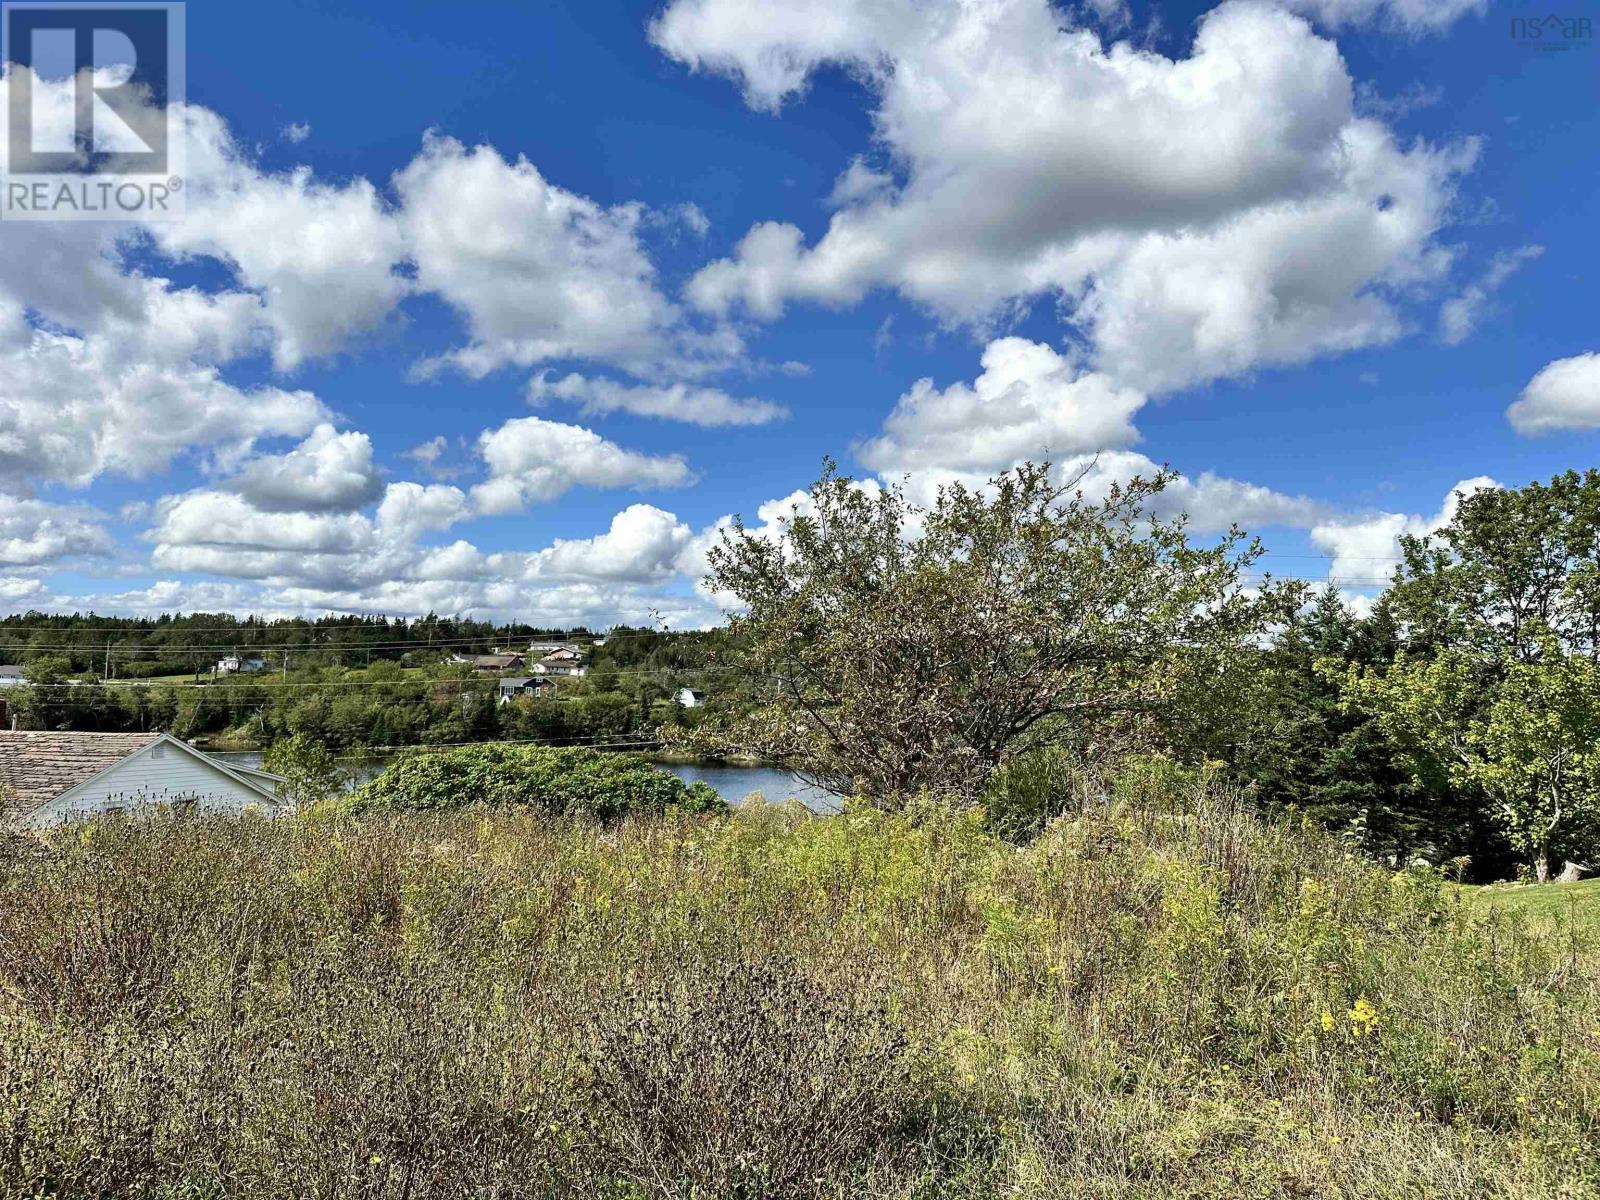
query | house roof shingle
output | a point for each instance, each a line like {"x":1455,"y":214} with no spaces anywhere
{"x":499,"y":661}
{"x":36,"y":767}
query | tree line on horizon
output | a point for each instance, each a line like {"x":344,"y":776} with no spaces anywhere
{"x":191,"y":643}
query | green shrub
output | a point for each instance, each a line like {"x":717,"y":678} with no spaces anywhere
{"x":560,"y":781}
{"x":1029,"y":791}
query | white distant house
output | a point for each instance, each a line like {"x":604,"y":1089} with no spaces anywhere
{"x":48,"y":778}
{"x":547,"y":649}
{"x":689,"y":698}
{"x":11,"y":677}
{"x":237,"y":664}
{"x":563,"y":660}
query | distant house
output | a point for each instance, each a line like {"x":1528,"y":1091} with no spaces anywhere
{"x":565,"y":661}
{"x":47,"y":778}
{"x":513,"y":686}
{"x":11,"y":677}
{"x":235,"y":664}
{"x":567,"y":650}
{"x":689,"y":698}
{"x":492,"y":662}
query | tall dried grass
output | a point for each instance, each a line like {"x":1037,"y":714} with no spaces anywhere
{"x":1182,"y":1002}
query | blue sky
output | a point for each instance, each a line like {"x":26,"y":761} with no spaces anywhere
{"x":1308,"y":255}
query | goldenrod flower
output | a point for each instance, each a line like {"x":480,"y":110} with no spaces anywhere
{"x":1363,"y":1016}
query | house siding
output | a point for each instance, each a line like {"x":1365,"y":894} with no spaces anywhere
{"x":161,"y":774}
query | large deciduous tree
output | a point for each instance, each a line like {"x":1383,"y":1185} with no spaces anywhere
{"x":1513,"y":569}
{"x":902,"y":649}
{"x":1530,"y":744}
{"x":1498,"y":683}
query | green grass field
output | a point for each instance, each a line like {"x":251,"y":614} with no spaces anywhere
{"x":1578,"y":903}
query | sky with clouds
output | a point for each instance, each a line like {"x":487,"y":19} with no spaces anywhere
{"x":505,"y":310}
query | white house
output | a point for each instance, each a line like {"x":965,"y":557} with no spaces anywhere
{"x":689,"y":698}
{"x":558,"y":668}
{"x":545,"y":649}
{"x":47,"y":778}
{"x":11,"y":677}
{"x":564,"y":660}
{"x":235,"y":664}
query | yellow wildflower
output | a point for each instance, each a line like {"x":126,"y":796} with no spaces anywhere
{"x":1363,"y":1017}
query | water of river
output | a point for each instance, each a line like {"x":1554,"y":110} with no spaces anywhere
{"x":733,"y":784}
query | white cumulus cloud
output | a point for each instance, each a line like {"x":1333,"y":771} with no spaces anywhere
{"x":1365,"y":549}
{"x":532,"y":460}
{"x":74,"y":408}
{"x":328,"y":472}
{"x":1029,"y":403}
{"x":689,"y":403}
{"x":1564,"y":395}
{"x":538,"y":272}
{"x":643,"y":545}
{"x":1196,"y":217}
{"x":320,"y":256}
{"x":34,"y":532}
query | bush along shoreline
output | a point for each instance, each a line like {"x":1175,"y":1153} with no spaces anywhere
{"x":557,"y":781}
{"x":420,"y":1000}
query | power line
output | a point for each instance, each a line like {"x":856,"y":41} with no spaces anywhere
{"x":1341,"y":581}
{"x":93,"y":646}
{"x":1362,"y":557}
{"x":243,"y":682}
{"x":122,"y":696}
{"x":592,"y":740}
{"x":64,"y":625}
{"x":157,"y":624}
{"x":598,"y":741}
{"x":96,"y":643}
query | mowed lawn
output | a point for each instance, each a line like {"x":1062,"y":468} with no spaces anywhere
{"x":1578,"y":903}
